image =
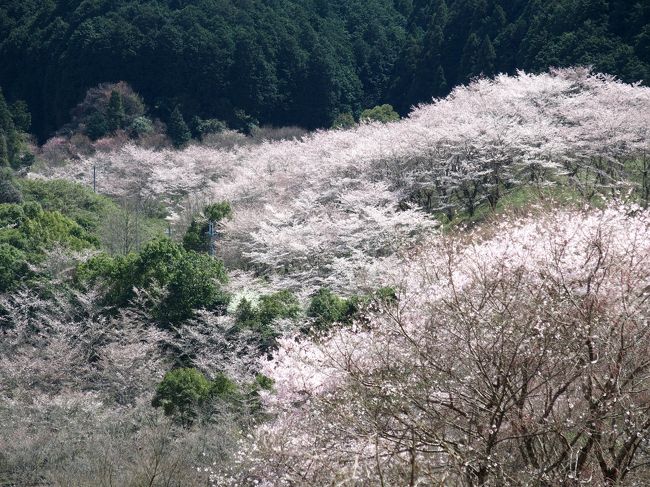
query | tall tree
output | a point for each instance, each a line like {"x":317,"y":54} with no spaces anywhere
{"x":11,"y":141}
{"x":115,"y":114}
{"x":4,"y":152}
{"x":177,"y":129}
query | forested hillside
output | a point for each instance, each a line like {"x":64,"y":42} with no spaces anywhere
{"x":449,"y":42}
{"x":283,"y":62}
{"x":307,"y":243}
{"x":299,"y":62}
{"x":459,"y":297}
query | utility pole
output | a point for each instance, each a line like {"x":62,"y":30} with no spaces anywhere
{"x":94,"y":178}
{"x":213,"y":236}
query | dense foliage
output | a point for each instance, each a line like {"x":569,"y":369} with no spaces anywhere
{"x":181,"y":280}
{"x":15,"y":121}
{"x":451,"y":41}
{"x":303,"y":63}
{"x":73,"y":200}
{"x":203,"y":228}
{"x":27,"y":232}
{"x":183,"y":391}
{"x":281,"y":62}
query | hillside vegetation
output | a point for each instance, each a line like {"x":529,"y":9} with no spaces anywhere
{"x":304,"y":209}
{"x":458,"y":297}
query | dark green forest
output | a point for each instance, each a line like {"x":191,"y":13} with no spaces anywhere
{"x":299,"y":62}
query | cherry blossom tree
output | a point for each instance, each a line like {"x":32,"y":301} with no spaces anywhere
{"x":513,"y":354}
{"x":76,"y":390}
{"x":516,"y":356}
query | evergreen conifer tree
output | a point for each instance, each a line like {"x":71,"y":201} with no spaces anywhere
{"x":21,"y":116}
{"x":115,"y":113}
{"x":4,"y":153}
{"x":487,"y":58}
{"x":470,"y":60}
{"x":177,"y":129}
{"x":10,"y":141}
{"x":6,"y":120}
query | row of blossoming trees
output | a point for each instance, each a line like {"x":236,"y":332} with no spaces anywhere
{"x":307,"y":200}
{"x":516,"y":354}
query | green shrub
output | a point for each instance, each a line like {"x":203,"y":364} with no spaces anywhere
{"x":141,"y":126}
{"x":201,"y":127}
{"x":260,"y":318}
{"x":381,"y":113}
{"x":194,"y":285}
{"x":13,"y":266}
{"x":21,"y":115}
{"x":282,"y":304}
{"x":73,"y":200}
{"x":27,"y":232}
{"x":181,"y":393}
{"x":386,"y":295}
{"x":177,"y":129}
{"x":191,"y":280}
{"x":261,"y":383}
{"x":9,"y":189}
{"x":115,"y":115}
{"x":344,"y":121}
{"x":326,"y":308}
{"x":96,"y":126}
{"x":184,"y":392}
{"x":196,"y":237}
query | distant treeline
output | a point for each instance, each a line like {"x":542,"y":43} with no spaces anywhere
{"x":299,"y":62}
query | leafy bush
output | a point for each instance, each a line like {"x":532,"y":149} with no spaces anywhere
{"x":13,"y":265}
{"x":381,"y":113}
{"x":218,"y":211}
{"x":177,"y":129}
{"x":189,"y":280}
{"x":259,"y":318}
{"x":344,"y":121}
{"x":181,"y":392}
{"x":27,"y":231}
{"x":196,"y":237}
{"x":21,"y":116}
{"x":282,"y":304}
{"x":29,"y":227}
{"x":327,"y":308}
{"x":96,"y":126}
{"x":73,"y":200}
{"x":141,"y":126}
{"x":115,"y":115}
{"x":192,"y":286}
{"x":201,"y":127}
{"x":184,"y":391}
{"x":9,"y":190}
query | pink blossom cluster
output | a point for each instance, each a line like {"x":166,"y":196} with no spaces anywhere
{"x":519,"y":355}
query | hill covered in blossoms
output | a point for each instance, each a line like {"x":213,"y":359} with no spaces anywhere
{"x":459,"y":297}
{"x":302,"y":205}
